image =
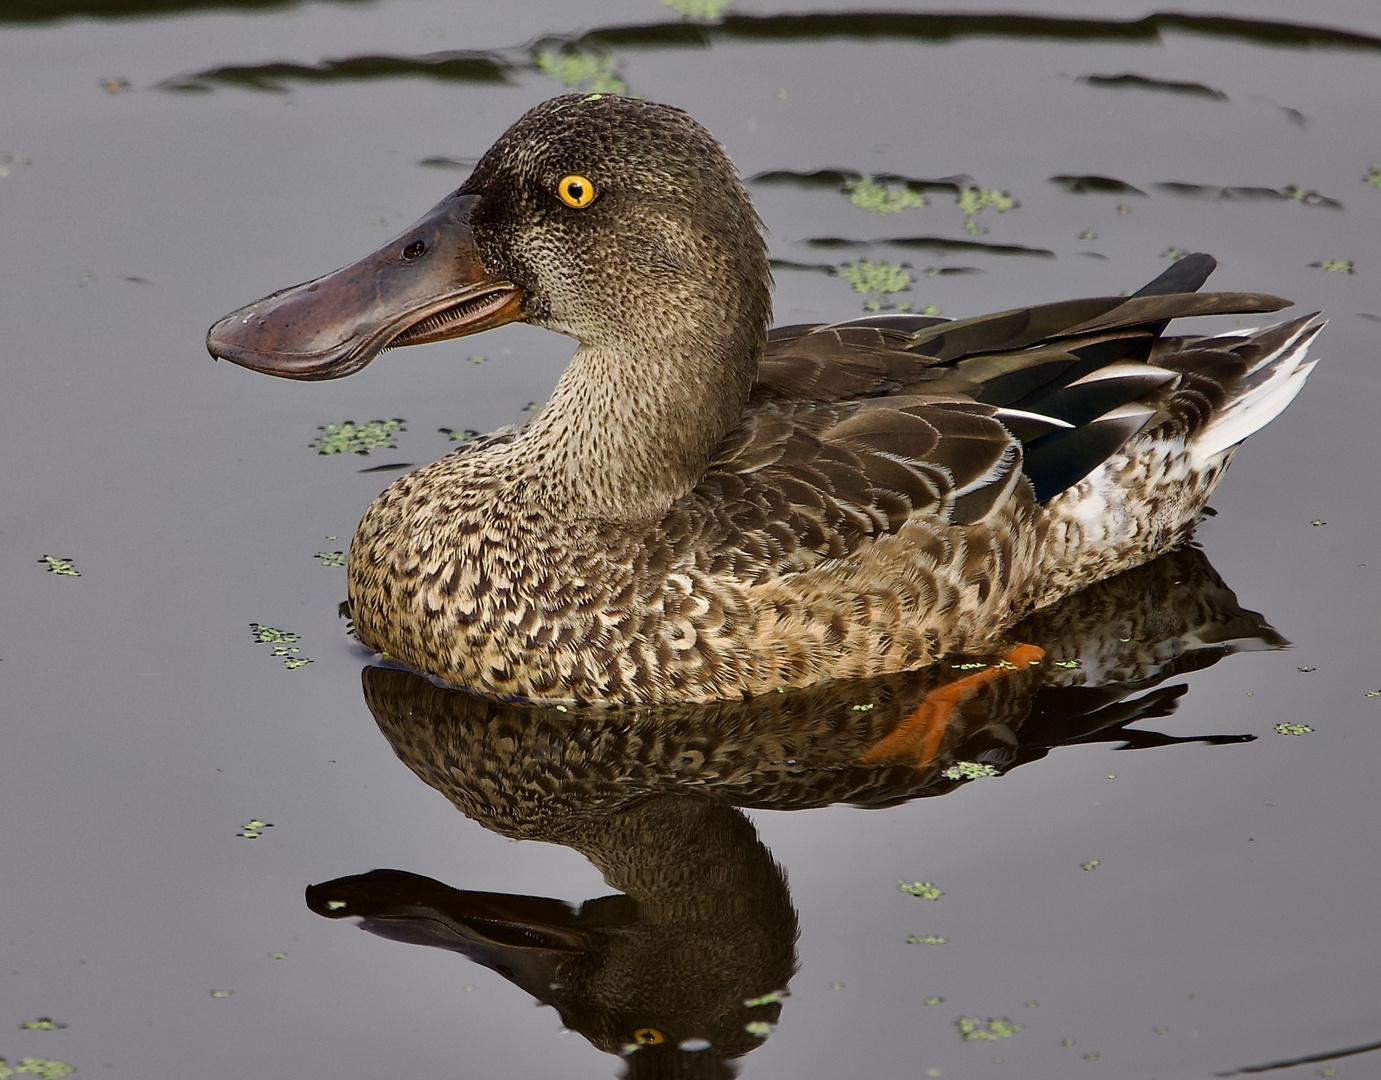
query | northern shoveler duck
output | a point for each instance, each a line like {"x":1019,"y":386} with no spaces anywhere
{"x":707,"y":509}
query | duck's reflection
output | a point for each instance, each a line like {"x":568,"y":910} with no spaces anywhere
{"x":672,"y":973}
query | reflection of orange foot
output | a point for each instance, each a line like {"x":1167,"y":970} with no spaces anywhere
{"x":919,"y":735}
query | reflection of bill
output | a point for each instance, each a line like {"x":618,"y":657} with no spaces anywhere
{"x":687,"y":959}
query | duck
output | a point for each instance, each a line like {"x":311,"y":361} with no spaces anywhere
{"x":709,"y":509}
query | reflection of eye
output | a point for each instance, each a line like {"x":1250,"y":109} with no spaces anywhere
{"x":647,"y":1036}
{"x":577,"y":191}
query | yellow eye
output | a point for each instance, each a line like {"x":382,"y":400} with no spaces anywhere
{"x":647,"y":1036}
{"x":576,"y":190}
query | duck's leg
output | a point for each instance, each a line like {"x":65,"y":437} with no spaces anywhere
{"x":919,"y":735}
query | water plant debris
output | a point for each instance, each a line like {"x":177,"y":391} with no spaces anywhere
{"x":284,"y":644}
{"x":43,"y":1068}
{"x":581,"y":70}
{"x":969,"y":770}
{"x":352,"y":438}
{"x":973,"y":1029}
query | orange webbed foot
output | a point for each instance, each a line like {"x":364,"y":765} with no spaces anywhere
{"x":919,"y":735}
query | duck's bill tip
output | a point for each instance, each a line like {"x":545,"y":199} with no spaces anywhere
{"x":246,"y":338}
{"x":427,"y":285}
{"x":296,"y":335}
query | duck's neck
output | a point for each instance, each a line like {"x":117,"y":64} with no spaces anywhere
{"x":632,"y":425}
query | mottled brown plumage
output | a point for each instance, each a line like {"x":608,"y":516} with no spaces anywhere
{"x":705,"y":510}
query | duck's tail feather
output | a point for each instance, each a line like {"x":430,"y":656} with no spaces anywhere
{"x":1185,"y":275}
{"x":1270,"y":384}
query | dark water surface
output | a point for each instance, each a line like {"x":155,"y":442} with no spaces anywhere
{"x":167,"y":162}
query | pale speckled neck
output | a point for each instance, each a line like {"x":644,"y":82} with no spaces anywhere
{"x":630,"y":430}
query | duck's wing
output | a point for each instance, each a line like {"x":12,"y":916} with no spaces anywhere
{"x":798,"y":482}
{"x":855,"y":427}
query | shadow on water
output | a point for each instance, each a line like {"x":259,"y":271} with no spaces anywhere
{"x":50,"y":11}
{"x":498,"y":66}
{"x":681,"y":972}
{"x":920,"y":26}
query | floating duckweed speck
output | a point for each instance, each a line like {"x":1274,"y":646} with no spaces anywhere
{"x":459,"y":434}
{"x":330,"y":558}
{"x":969,"y":770}
{"x":12,"y":159}
{"x":973,"y":1029}
{"x":773,"y":998}
{"x":1092,"y":864}
{"x":43,"y":1068}
{"x":934,"y":999}
{"x":43,"y":1023}
{"x":284,"y":644}
{"x":581,"y":70}
{"x":879,"y":282}
{"x":702,"y":10}
{"x":272,"y":634}
{"x":61,"y":566}
{"x":252,"y":830}
{"x":925,"y":939}
{"x":352,"y":438}
{"x":760,"y":1028}
{"x":1334,"y":266}
{"x":867,"y":194}
{"x":1373,"y":177}
{"x":973,"y":200}
{"x":221,"y":993}
{"x":924,"y":889}
{"x":863,"y":708}
{"x":1293,"y":729}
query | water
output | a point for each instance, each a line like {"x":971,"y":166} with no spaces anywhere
{"x":1232,"y":903}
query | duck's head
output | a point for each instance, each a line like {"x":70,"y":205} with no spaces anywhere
{"x":617,"y":221}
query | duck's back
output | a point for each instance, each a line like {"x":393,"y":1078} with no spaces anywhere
{"x":902,"y":487}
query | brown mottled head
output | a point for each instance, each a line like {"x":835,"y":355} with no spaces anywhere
{"x":617,"y":221}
